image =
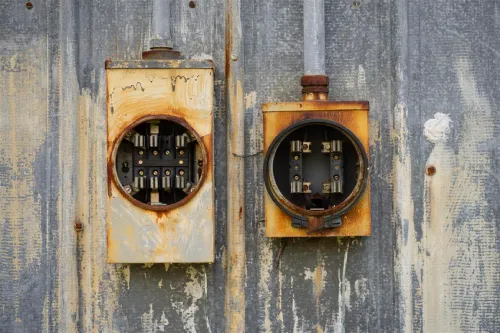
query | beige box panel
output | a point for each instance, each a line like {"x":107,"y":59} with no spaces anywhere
{"x":183,"y":234}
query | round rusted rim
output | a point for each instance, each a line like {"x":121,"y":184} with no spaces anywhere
{"x":293,"y":209}
{"x":159,"y":208}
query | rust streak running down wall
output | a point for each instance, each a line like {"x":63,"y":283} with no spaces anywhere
{"x":235,"y":288}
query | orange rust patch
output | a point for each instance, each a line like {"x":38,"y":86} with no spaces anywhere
{"x":353,"y":115}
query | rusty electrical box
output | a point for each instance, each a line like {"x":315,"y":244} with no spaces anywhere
{"x":160,"y":162}
{"x":316,"y":169}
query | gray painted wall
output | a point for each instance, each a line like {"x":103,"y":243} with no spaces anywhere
{"x":432,"y":263}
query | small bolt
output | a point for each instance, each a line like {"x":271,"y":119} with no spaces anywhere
{"x":305,"y":188}
{"x":167,"y":152}
{"x":78,"y":226}
{"x":141,"y":173}
{"x":167,"y":173}
{"x":327,"y":146}
{"x":327,"y":187}
{"x":296,"y":177}
{"x":336,"y":177}
{"x":234,"y":57}
{"x":296,"y":167}
{"x":181,"y":172}
{"x":305,"y":146}
{"x":181,"y":162}
{"x":337,"y":167}
{"x":336,"y":157}
{"x":140,"y":152}
{"x":140,"y":162}
{"x":155,"y":152}
{"x":128,"y":189}
{"x":296,"y":157}
{"x":155,"y":172}
{"x":181,"y":152}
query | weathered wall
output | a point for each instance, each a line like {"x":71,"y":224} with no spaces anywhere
{"x":432,"y":262}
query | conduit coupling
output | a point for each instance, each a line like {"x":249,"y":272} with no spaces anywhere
{"x":314,"y":82}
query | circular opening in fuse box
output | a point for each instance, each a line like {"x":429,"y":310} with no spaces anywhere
{"x":316,"y":167}
{"x":159,"y":163}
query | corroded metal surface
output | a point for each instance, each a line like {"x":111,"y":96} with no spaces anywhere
{"x":431,"y":264}
{"x":235,"y":306}
{"x":354,"y":116}
{"x":185,"y":231}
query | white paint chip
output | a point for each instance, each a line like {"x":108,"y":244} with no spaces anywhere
{"x":437,"y":129}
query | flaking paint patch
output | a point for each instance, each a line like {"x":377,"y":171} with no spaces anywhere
{"x":461,"y":268}
{"x":150,"y":324}
{"x":407,"y":256}
{"x":361,"y":289}
{"x":318,"y":278}
{"x":188,"y":309}
{"x":266,"y":265}
{"x":344,"y":296}
{"x":125,"y":270}
{"x":23,"y":133}
{"x":250,"y":99}
{"x":100,"y":282}
{"x":298,"y":323}
{"x":437,"y":128}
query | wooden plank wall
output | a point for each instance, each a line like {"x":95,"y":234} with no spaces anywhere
{"x":432,"y":263}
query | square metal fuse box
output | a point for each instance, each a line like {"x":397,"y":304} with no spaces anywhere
{"x":316,"y":169}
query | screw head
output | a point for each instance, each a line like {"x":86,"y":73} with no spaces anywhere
{"x":181,"y":162}
{"x":141,"y":173}
{"x":78,"y":226}
{"x":181,"y":152}
{"x":181,"y":172}
{"x":296,"y":177}
{"x":336,"y":177}
{"x":140,"y":162}
{"x":296,"y":157}
{"x":167,"y":152}
{"x":327,"y":146}
{"x":155,"y":172}
{"x":336,"y":157}
{"x":155,"y":152}
{"x":167,"y":172}
{"x":326,"y":186}
{"x":140,"y":152}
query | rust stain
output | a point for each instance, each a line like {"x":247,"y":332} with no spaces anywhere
{"x":354,"y":116}
{"x":160,"y":233}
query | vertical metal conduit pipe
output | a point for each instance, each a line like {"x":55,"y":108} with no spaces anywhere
{"x":160,"y":26}
{"x":314,"y":37}
{"x":161,"y":46}
{"x":314,"y":81}
{"x":236,"y":256}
